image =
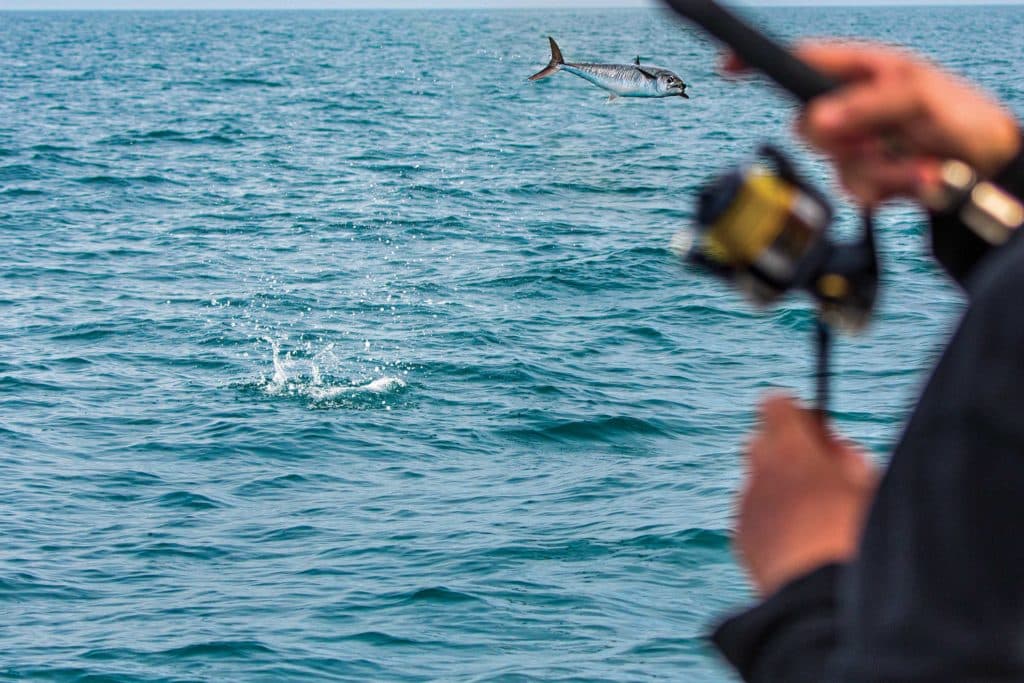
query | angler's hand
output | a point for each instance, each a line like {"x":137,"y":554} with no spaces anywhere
{"x":897,"y":117}
{"x":805,"y":497}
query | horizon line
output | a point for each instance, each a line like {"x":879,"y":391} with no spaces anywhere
{"x":789,"y":4}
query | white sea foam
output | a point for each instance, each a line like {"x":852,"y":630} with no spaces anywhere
{"x":306,"y":378}
{"x":381,"y":385}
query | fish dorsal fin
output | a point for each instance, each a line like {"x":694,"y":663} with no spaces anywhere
{"x":637,"y":60}
{"x":647,"y":72}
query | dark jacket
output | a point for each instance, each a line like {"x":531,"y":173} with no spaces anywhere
{"x":936,"y":592}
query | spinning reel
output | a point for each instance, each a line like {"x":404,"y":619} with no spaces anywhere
{"x":765,"y":229}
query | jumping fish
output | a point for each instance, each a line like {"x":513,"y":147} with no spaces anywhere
{"x":621,"y":80}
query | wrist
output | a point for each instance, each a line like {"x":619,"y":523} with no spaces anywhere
{"x":772,"y":578}
{"x":817,"y":533}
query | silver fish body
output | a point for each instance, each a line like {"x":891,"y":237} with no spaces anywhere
{"x":621,"y":80}
{"x":625,"y":80}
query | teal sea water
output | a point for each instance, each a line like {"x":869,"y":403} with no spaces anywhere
{"x":332,"y":349}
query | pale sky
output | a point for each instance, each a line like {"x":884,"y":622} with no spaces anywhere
{"x":311,"y":4}
{"x":416,"y":4}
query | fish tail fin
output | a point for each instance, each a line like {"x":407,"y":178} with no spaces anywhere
{"x":556,"y":62}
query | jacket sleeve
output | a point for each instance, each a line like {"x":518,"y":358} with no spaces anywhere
{"x":789,"y":636}
{"x":955,"y":246}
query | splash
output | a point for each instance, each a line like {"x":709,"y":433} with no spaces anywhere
{"x":308,"y":380}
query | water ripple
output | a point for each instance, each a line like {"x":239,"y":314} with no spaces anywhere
{"x":332,"y":349}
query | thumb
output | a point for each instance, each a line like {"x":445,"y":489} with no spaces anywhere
{"x":783,"y":417}
{"x":777,"y":411}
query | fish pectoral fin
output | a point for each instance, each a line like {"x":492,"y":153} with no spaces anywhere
{"x":647,"y":72}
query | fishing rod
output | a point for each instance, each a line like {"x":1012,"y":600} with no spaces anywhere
{"x":757,"y":49}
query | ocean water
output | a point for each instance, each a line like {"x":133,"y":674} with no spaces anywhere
{"x":332,"y":349}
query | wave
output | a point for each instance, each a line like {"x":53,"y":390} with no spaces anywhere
{"x":24,"y":585}
{"x":440,"y":594}
{"x":249,"y":81}
{"x":126,"y":181}
{"x":188,"y":500}
{"x":169,"y":135}
{"x":610,"y":429}
{"x":17,"y":193}
{"x":20,"y":172}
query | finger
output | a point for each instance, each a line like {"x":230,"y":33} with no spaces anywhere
{"x":840,"y":147}
{"x":929,"y":178}
{"x":873,"y":110}
{"x":873,"y":180}
{"x":885,"y":147}
{"x":843,"y":148}
{"x":847,"y":60}
{"x":860,"y":188}
{"x":864,"y":148}
{"x":732,"y":64}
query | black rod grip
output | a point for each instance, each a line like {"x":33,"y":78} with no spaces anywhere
{"x":756,"y":49}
